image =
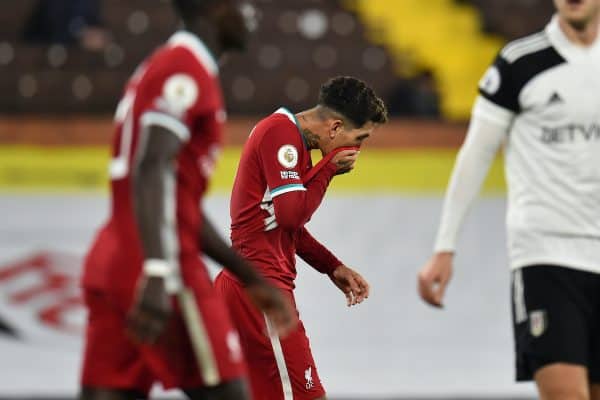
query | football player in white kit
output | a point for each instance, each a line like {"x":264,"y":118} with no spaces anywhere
{"x":541,"y":100}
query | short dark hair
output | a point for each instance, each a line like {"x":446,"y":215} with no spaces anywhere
{"x":353,"y":99}
{"x":190,"y":9}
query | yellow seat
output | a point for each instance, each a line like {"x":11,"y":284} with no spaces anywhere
{"x":438,"y":35}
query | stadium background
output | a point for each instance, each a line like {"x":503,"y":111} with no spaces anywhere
{"x":424,"y":58}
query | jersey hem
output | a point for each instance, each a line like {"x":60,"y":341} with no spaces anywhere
{"x":558,"y":261}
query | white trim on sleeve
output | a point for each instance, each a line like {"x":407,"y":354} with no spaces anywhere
{"x":286,"y":189}
{"x":166,"y":121}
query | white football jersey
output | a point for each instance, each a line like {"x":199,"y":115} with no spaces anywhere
{"x":547,"y":91}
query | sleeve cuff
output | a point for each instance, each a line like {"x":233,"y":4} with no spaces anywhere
{"x":442,"y":247}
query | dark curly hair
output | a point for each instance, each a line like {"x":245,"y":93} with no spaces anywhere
{"x":353,"y":99}
{"x":189,"y":9}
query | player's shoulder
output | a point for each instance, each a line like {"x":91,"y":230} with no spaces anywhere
{"x":281,"y":124}
{"x":517,"y":64}
{"x":184,"y":42}
{"x":525,"y":46}
{"x":186,"y":53}
{"x":281,"y":118}
{"x":529,"y":56}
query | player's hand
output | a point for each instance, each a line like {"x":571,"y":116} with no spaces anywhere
{"x":351,"y":283}
{"x":344,"y":160}
{"x":277,"y":308}
{"x":434,"y":278}
{"x":151,"y":311}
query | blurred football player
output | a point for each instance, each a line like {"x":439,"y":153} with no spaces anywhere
{"x":541,"y":99}
{"x":154,"y":315}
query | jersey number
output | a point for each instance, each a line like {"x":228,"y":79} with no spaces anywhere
{"x":119,"y":165}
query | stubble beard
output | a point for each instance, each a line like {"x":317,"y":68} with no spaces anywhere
{"x":312,"y":139}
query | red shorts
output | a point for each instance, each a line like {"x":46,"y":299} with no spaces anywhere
{"x":279,"y":369}
{"x":199,"y":348}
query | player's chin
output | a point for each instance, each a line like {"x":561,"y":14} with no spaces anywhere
{"x":578,"y":20}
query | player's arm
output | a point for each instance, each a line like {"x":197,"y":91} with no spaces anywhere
{"x":492,"y":116}
{"x":315,"y":253}
{"x":350,"y":282}
{"x":153,"y":182}
{"x":264,"y":296}
{"x":485,"y":135}
{"x":293,"y":208}
{"x":164,"y":129}
{"x":294,"y":200}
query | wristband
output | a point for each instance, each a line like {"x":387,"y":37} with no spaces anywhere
{"x":163,"y":269}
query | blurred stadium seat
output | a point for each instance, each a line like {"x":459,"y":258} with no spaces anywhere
{"x":383,"y":42}
{"x":292,"y":39}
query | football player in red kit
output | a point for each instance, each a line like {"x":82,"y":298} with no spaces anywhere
{"x":154,"y":315}
{"x":276,"y":191}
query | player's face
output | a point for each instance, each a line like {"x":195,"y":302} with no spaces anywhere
{"x":578,"y":13}
{"x":234,"y":22}
{"x":350,"y":136}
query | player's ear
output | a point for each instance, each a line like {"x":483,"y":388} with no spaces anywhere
{"x":336,"y":126}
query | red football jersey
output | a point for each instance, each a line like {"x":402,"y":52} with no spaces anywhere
{"x":273,"y":162}
{"x":177,"y":87}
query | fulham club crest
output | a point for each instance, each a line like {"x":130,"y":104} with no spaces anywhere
{"x":538,"y":322}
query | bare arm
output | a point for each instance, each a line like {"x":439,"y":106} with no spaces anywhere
{"x":216,"y":248}
{"x":153,"y":191}
{"x":153,"y":182}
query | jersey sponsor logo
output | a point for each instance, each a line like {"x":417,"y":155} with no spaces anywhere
{"x":180,"y":92}
{"x":287,"y":156}
{"x":290,"y":175}
{"x":309,"y":379}
{"x":570,"y":133}
{"x":490,"y":83}
{"x":538,"y":322}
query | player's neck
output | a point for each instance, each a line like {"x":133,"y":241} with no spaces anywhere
{"x":582,"y":36}
{"x":208,"y":34}
{"x":307,"y":130}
